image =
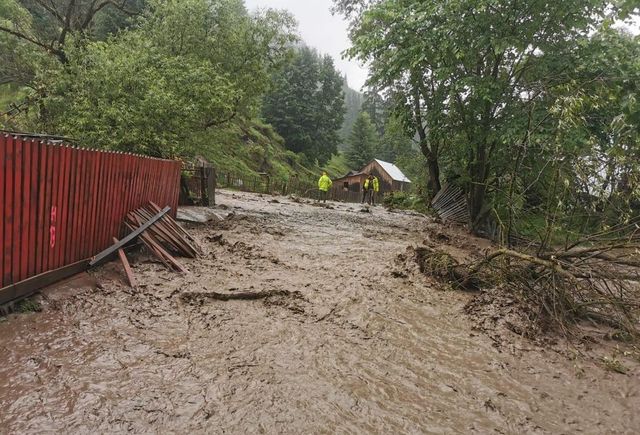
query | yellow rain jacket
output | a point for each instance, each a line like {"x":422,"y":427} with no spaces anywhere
{"x":325,"y":183}
{"x":376,"y":184}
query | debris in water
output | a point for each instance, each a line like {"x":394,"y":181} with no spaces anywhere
{"x":200,"y":296}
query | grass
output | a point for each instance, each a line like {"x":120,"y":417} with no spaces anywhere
{"x":247,"y":148}
{"x":613,"y":364}
{"x":28,"y":306}
{"x":337,"y":166}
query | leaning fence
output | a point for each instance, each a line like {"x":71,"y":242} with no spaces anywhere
{"x":61,"y":204}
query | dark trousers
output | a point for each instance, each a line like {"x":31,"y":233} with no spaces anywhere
{"x":323,"y":195}
{"x":367,"y":195}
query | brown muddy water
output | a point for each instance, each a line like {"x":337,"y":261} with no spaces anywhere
{"x":345,"y":344}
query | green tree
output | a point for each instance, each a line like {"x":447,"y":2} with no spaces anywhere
{"x":473,"y":76}
{"x":395,"y":142}
{"x":47,"y":24}
{"x":598,"y":123}
{"x":363,"y":142}
{"x":378,"y":109}
{"x":353,"y":105}
{"x":187,"y":66}
{"x":306,"y":105}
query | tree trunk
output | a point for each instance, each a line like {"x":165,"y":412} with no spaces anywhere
{"x":478,"y":189}
{"x":429,"y":150}
{"x":434,"y":175}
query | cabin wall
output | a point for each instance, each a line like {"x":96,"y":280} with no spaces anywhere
{"x":348,"y":188}
{"x":385,"y":180}
{"x":349,"y":184}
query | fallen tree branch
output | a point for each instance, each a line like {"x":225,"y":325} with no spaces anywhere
{"x":598,"y":283}
{"x":191,"y":296}
{"x":530,"y":258}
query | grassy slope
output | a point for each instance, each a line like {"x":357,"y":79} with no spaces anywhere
{"x":249,"y":147}
{"x":337,"y":166}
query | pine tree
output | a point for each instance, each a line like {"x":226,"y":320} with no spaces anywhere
{"x":378,"y":108}
{"x":362,"y":142}
{"x":306,"y":105}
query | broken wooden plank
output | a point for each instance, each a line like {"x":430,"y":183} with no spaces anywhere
{"x":145,"y":240}
{"x":171,"y":237}
{"x":126,"y":265}
{"x":31,"y":285}
{"x":155,"y":247}
{"x":150,"y":247}
{"x":168,"y":257}
{"x":173,"y":223}
{"x":101,"y":257}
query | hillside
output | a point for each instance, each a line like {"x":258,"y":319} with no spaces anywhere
{"x":353,"y":103}
{"x":249,"y":147}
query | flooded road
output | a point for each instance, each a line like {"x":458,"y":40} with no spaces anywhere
{"x":345,"y":343}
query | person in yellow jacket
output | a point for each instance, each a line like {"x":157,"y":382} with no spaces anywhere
{"x":324,"y":184}
{"x":371,"y":188}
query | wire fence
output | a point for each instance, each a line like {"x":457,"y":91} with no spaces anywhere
{"x":263,"y":183}
{"x":305,"y":188}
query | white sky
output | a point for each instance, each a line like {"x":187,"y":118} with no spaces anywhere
{"x":321,"y":30}
{"x":632,"y":25}
{"x":328,"y":33}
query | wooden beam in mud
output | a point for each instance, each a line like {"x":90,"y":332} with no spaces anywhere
{"x":101,"y":257}
{"x":31,"y":285}
{"x":155,"y":248}
{"x":126,"y":265}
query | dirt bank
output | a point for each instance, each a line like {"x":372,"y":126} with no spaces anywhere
{"x":345,"y":341}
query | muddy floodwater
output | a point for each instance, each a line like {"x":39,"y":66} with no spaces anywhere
{"x":345,"y":343}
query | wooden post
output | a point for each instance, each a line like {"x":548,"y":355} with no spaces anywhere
{"x":212,"y":183}
{"x":126,"y":265}
{"x":204,"y":194}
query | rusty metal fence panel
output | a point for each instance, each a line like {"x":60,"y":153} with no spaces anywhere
{"x":62,"y":204}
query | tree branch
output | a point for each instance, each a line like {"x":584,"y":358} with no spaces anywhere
{"x":31,"y":40}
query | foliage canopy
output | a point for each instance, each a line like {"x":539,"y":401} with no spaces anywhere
{"x":503,"y":95}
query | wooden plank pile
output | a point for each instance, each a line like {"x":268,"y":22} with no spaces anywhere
{"x":164,"y":238}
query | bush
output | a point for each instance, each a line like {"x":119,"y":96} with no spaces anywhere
{"x":406,"y":201}
{"x":256,"y":153}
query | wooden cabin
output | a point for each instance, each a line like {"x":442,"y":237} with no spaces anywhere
{"x":352,"y":182}
{"x":390,"y":177}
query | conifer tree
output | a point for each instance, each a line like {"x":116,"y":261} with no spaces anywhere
{"x":362,"y":142}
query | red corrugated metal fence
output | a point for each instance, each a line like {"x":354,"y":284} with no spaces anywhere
{"x":62,"y":204}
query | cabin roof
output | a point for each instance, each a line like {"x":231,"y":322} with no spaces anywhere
{"x":394,"y":172}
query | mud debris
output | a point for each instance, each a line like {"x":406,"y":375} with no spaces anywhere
{"x":191,"y":297}
{"x":349,"y":339}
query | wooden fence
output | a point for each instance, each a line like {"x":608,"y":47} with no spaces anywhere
{"x":307,"y":188}
{"x":61,"y":205}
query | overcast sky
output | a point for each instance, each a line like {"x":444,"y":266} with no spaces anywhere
{"x":328,"y":33}
{"x":321,"y":30}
